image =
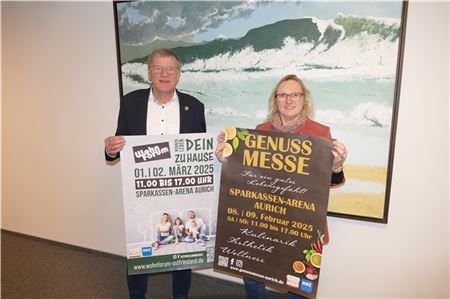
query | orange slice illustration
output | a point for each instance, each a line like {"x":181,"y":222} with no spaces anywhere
{"x":298,"y":266}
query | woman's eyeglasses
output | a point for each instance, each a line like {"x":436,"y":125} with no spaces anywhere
{"x":295,"y":96}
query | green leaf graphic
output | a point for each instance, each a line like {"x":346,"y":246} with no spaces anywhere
{"x":235,"y":143}
{"x":242,"y":133}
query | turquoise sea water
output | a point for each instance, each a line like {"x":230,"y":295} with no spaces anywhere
{"x":359,"y":112}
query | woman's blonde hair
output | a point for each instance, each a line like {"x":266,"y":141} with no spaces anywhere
{"x":308,"y":108}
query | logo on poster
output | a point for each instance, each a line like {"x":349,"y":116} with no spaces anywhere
{"x":146,"y":251}
{"x":307,"y":285}
{"x":292,"y":281}
{"x":150,"y":152}
{"x":239,"y":263}
{"x":134,"y":253}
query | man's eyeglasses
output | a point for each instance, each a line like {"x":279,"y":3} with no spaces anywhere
{"x":295,"y":96}
{"x":158,"y":69}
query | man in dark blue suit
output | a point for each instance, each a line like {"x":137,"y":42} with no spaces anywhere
{"x":158,"y":110}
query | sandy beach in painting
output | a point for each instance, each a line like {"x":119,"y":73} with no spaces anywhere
{"x":359,"y":203}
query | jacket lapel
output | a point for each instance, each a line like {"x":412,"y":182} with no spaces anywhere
{"x":184,"y":108}
{"x":141,"y":110}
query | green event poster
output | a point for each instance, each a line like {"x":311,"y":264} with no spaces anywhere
{"x":272,"y":208}
{"x":170,"y":188}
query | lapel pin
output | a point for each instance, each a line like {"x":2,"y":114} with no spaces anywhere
{"x":186,"y":108}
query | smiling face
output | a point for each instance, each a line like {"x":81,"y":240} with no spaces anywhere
{"x":289,"y":108}
{"x":191,"y":215}
{"x":163,"y":83}
{"x":164,"y":218}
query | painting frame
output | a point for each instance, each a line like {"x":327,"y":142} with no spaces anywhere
{"x":381,"y":216}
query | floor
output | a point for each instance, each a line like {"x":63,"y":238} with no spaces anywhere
{"x":33,"y":268}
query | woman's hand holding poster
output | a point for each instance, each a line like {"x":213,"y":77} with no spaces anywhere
{"x":272,"y":208}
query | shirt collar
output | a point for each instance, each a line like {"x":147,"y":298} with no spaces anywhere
{"x":152,"y":98}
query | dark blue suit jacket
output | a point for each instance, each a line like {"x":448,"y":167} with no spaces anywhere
{"x":133,"y":114}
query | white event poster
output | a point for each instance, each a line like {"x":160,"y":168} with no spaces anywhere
{"x":170,"y":192}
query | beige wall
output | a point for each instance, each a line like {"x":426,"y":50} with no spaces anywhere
{"x":60,"y":100}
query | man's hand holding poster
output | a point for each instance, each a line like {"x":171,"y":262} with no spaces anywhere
{"x":170,"y":186}
{"x":272,"y":208}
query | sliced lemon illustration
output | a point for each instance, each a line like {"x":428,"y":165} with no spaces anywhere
{"x":230,"y":133}
{"x":316,"y":259}
{"x":228,"y":150}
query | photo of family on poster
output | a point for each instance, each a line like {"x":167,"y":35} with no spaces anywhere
{"x":174,"y":229}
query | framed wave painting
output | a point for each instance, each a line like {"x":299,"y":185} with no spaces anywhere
{"x":234,"y":52}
